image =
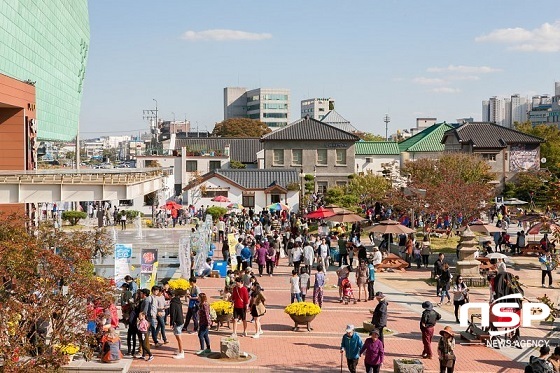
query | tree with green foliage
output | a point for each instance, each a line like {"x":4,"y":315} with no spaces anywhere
{"x":216,"y":212}
{"x":540,"y":186}
{"x":339,"y":196}
{"x":236,"y":165}
{"x":369,"y":188}
{"x":73,"y":217}
{"x":240,"y":127}
{"x":550,"y":149}
{"x":366,"y":136}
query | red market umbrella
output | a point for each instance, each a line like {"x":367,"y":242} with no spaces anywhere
{"x":544,"y":227}
{"x":170,"y":205}
{"x":320,"y":213}
{"x":220,"y":199}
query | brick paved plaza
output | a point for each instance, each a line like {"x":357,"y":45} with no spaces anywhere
{"x":281,"y":349}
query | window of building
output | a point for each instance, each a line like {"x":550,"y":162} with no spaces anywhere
{"x":297,"y":157}
{"x":248,"y":201}
{"x":341,"y":157}
{"x":274,"y":198}
{"x":215,"y":165}
{"x":322,"y":187}
{"x":191,"y":166}
{"x":278,"y":157}
{"x":322,"y":157}
{"x":489,"y":157}
{"x":211,"y":193}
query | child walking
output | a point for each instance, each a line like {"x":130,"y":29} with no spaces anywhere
{"x":294,"y":287}
{"x":304,"y":283}
{"x":143,"y":327}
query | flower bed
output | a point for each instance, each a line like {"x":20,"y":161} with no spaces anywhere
{"x":303,"y":309}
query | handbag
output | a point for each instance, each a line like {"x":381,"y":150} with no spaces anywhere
{"x":449,"y":360}
{"x":261,"y":309}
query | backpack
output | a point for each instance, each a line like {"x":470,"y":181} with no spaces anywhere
{"x":538,"y":365}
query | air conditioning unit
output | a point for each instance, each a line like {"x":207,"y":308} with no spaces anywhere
{"x":369,"y":159}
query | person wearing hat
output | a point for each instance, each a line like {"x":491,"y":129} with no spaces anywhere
{"x":427,"y":323}
{"x":379,"y":318}
{"x":446,"y":350}
{"x":352,"y":345}
{"x":374,"y":350}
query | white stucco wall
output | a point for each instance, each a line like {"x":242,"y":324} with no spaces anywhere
{"x":376,"y":163}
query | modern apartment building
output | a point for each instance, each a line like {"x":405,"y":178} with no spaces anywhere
{"x":505,"y":111}
{"x":316,"y":108}
{"x":45,"y":43}
{"x":268,"y":105}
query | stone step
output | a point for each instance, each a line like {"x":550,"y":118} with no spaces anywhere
{"x":94,"y":366}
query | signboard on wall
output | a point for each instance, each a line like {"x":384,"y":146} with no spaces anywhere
{"x":524,"y":157}
{"x":123,"y":254}
{"x":148,"y":268}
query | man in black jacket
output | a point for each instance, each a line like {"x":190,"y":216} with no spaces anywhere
{"x":438,"y":269}
{"x":176,"y":314}
{"x":379,"y":319}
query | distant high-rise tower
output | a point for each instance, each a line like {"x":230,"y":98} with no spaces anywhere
{"x":316,"y":108}
{"x":519,"y":109}
{"x":269,"y":105}
{"x":496,"y":108}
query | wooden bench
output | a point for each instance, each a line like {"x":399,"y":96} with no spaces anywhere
{"x":532,"y":249}
{"x":392,"y":261}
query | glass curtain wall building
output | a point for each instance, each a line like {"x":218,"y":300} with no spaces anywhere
{"x":46,"y":42}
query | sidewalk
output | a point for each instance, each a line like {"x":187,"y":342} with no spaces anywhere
{"x":281,"y":350}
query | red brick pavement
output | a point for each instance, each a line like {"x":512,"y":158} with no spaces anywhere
{"x":281,"y":349}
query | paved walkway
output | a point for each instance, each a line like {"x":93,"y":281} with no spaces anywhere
{"x":281,"y":350}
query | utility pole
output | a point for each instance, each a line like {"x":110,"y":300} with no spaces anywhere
{"x":386,"y":120}
{"x":152,"y":116}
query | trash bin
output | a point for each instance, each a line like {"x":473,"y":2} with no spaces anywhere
{"x":221,"y":267}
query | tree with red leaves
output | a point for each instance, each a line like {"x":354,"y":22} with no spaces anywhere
{"x":48,"y":285}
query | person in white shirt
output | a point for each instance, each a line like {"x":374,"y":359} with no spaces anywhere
{"x":377,"y":257}
{"x":323,"y":253}
{"x":295,"y":290}
{"x":297,"y":253}
{"x":238,"y":249}
{"x":308,"y":256}
{"x":206,"y":268}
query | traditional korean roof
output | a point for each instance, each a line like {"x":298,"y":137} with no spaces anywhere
{"x":309,"y":129}
{"x":258,"y":179}
{"x":377,"y":148}
{"x":336,"y":120}
{"x":427,"y":140}
{"x":490,"y":135}
{"x":242,"y":150}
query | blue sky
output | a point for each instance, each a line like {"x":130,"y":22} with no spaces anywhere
{"x":407,"y":58}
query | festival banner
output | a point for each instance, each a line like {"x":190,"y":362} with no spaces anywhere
{"x":232,"y":242}
{"x":148,"y":268}
{"x":185,"y":257}
{"x":123,"y":254}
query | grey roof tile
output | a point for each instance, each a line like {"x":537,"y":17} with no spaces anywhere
{"x":260,"y":178}
{"x":309,"y":129}
{"x":243,"y":150}
{"x":490,"y":135}
{"x":336,"y":120}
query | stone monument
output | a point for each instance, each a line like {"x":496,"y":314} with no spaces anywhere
{"x":467,"y":265}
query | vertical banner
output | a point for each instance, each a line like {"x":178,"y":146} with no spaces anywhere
{"x":185,"y":257}
{"x":148,"y":268}
{"x":123,"y":254}
{"x":232,"y":242}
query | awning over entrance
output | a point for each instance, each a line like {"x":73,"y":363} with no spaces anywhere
{"x":79,"y":185}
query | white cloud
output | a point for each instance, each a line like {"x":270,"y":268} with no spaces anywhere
{"x":428,"y":81}
{"x":223,"y":35}
{"x":445,"y":90}
{"x":545,"y":38}
{"x":463,"y":77}
{"x":461,"y":69}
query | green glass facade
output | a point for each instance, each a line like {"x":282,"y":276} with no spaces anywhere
{"x":47,"y":41}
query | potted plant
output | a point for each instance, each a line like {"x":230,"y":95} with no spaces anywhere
{"x":68,"y":350}
{"x":302,"y":313}
{"x":180,"y":286}
{"x":408,"y":366}
{"x":223,"y":310}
